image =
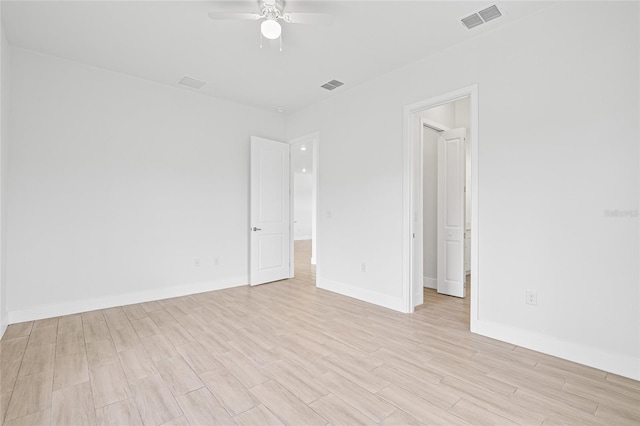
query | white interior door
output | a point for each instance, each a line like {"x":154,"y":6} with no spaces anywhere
{"x":270,"y":209}
{"x":451,"y":224}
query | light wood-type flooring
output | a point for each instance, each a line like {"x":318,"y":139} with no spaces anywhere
{"x":288,"y":353}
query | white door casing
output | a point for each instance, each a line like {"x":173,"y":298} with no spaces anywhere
{"x":411,"y":177}
{"x":270,"y":210}
{"x":417,"y":222}
{"x":451,"y":221}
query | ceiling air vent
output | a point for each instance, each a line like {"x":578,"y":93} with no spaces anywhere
{"x":472,"y":21}
{"x":485,"y":15}
{"x":333,"y":84}
{"x":490,"y":13}
{"x":192,"y":82}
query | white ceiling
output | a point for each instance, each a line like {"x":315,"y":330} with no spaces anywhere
{"x":165,"y":40}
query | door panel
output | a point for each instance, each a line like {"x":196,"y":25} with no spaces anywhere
{"x":451,"y":178}
{"x":270,"y":227}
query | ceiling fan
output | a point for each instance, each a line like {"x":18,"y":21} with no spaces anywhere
{"x":272,"y":13}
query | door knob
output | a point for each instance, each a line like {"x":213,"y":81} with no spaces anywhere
{"x":257,"y":229}
{"x":450,"y":233}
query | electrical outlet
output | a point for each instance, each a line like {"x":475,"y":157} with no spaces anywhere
{"x":531,"y":297}
{"x":364,"y":267}
{"x":196,"y":262}
{"x":216,"y":261}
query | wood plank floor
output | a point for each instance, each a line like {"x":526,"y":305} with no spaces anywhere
{"x":288,"y":353}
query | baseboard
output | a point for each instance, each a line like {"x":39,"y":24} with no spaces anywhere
{"x":622,"y":365}
{"x":360,"y":294}
{"x":430,"y":282}
{"x":302,"y":238}
{"x":55,"y":310}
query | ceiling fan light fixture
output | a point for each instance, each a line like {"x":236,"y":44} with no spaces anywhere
{"x":271,"y":29}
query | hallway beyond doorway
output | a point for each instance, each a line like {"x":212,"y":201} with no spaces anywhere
{"x":305,"y":272}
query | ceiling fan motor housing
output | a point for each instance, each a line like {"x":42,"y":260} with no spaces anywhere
{"x":272,"y":9}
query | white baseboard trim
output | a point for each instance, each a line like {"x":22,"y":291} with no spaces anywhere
{"x":430,"y":282}
{"x":55,"y":310}
{"x":360,"y":294}
{"x":622,"y":365}
{"x":302,"y":238}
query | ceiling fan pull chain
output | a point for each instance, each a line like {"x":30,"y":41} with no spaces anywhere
{"x":281,"y":42}
{"x":260,"y":40}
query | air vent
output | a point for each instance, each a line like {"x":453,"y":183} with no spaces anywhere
{"x":192,"y":82}
{"x":485,"y":15}
{"x":333,"y":84}
{"x":472,"y":21}
{"x":490,"y":13}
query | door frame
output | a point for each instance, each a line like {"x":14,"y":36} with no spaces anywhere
{"x":315,"y":136}
{"x":412,"y":180}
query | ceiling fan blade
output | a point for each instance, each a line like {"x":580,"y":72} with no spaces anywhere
{"x":308,"y":18}
{"x":234,"y":16}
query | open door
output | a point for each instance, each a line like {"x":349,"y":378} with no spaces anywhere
{"x":451,"y":222}
{"x":270,"y":227}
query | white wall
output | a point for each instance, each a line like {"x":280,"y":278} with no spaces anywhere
{"x":441,"y":117}
{"x":558,"y":145}
{"x":5,"y":59}
{"x":118,"y":184}
{"x":303,"y":200}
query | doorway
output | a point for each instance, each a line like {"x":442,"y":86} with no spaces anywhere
{"x":304,"y":177}
{"x":283,"y":199}
{"x":425,"y":122}
{"x":446,"y":246}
